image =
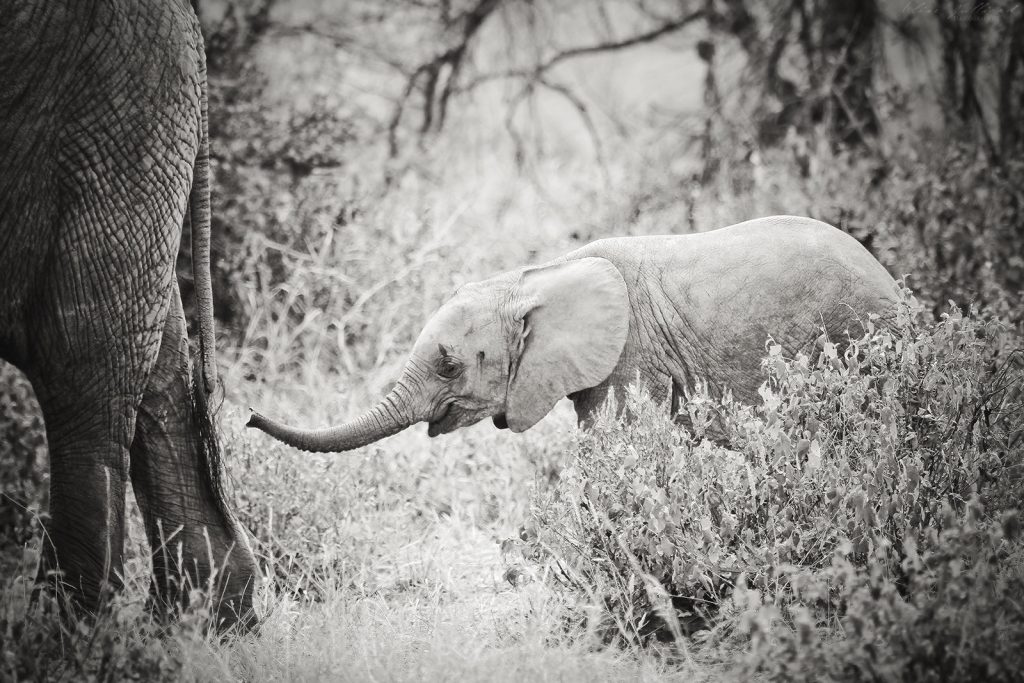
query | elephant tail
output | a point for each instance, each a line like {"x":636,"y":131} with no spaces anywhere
{"x":204,"y":375}
{"x":199,"y":217}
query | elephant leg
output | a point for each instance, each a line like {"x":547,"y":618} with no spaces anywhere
{"x":93,"y":321}
{"x":89,"y":406}
{"x":175,"y":470}
{"x":84,"y":537}
{"x":677,"y":401}
{"x":677,"y":405}
{"x":588,"y":403}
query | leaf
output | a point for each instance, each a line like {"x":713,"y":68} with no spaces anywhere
{"x":813,"y":457}
{"x":631,"y":459}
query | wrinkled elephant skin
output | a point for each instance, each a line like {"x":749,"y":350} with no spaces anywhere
{"x":675,"y":311}
{"x":105,"y":156}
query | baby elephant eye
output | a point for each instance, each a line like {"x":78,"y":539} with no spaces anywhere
{"x":449,"y":368}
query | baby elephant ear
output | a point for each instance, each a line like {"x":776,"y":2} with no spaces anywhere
{"x":575,"y":320}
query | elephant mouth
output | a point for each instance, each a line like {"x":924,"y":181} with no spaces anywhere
{"x":500,"y":421}
{"x":456,"y":415}
{"x":447,"y":422}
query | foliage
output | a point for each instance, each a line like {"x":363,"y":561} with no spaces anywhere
{"x":22,"y":465}
{"x":943,"y":610}
{"x":856,"y":491}
{"x":955,"y":222}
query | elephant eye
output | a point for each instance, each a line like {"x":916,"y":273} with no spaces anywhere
{"x":449,"y":368}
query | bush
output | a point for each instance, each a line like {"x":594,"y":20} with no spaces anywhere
{"x":849,"y":486}
{"x":948,"y":217}
{"x":22,"y":466}
{"x":943,"y":611}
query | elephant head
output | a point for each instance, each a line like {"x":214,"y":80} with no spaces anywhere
{"x":508,"y":348}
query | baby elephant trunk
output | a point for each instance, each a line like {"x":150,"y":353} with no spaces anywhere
{"x":388,"y":417}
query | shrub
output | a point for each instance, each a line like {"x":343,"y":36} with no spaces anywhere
{"x":953,"y":220}
{"x":858,"y":465}
{"x":22,"y":465}
{"x":941,"y":611}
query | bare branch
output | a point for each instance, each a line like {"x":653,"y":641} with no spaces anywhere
{"x":396,"y":117}
{"x":517,"y":140}
{"x":540,"y":69}
{"x":471,"y":20}
{"x":640,"y":39}
{"x":343,"y":39}
{"x":588,"y":121}
{"x":437,"y":95}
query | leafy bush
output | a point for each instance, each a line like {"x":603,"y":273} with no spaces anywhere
{"x":22,"y":465}
{"x":944,"y":610}
{"x":846,"y":493}
{"x":948,"y":217}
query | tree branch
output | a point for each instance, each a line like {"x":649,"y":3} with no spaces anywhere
{"x":640,"y":39}
{"x":539,"y":70}
{"x":438,"y":95}
{"x":588,"y":122}
{"x":472,"y":20}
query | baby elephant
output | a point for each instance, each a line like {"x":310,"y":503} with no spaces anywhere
{"x":676,"y":310}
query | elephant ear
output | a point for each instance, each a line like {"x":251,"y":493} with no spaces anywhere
{"x":574,"y":320}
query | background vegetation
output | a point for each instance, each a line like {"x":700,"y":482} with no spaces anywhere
{"x":372,"y":156}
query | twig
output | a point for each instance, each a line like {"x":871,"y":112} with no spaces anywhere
{"x":588,"y":122}
{"x":540,"y":69}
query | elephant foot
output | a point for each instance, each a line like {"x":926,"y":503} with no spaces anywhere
{"x":228,"y":603}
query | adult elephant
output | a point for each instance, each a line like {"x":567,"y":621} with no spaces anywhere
{"x":676,"y":311}
{"x":104,"y":155}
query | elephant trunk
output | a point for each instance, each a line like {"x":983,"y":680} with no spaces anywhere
{"x":388,"y":417}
